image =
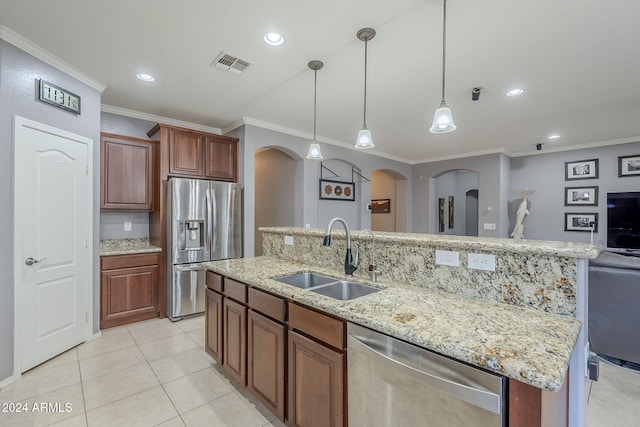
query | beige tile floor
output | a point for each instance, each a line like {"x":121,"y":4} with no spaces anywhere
{"x":153,"y":373}
{"x":156,"y":373}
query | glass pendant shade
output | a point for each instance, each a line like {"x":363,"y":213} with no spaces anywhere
{"x":314,"y":151}
{"x":442,"y":120}
{"x":364,"y":139}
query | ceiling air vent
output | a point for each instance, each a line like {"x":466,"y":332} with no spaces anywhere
{"x":230,"y":63}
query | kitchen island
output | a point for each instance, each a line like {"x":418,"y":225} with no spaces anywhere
{"x":524,"y":319}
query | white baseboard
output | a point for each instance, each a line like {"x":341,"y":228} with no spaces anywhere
{"x":8,"y":381}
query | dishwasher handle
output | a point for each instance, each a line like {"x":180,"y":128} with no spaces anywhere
{"x":485,"y":399}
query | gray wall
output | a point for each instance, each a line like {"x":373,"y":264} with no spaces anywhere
{"x":112,"y":221}
{"x":314,"y":213}
{"x":493,"y":170}
{"x":18,"y":72}
{"x":545,"y":174}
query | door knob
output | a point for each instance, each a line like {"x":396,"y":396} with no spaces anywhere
{"x":31,"y":261}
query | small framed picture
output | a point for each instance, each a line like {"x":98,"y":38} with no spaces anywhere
{"x":381,"y":206}
{"x":629,"y":165}
{"x":337,"y":190}
{"x":581,"y":196}
{"x":581,"y":169}
{"x":580,"y":221}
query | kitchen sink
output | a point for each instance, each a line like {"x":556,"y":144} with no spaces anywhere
{"x":344,"y":290}
{"x":305,"y":280}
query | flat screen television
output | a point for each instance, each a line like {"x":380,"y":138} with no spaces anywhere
{"x":623,"y":222}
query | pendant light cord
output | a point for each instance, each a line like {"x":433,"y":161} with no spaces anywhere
{"x":315,"y":94}
{"x":364,"y":119}
{"x":444,"y":44}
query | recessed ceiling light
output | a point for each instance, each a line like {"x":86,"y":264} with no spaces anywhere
{"x":553,"y":137}
{"x":146,"y":77}
{"x":515,"y":92}
{"x":273,"y":39}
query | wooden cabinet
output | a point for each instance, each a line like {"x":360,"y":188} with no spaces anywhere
{"x":234,"y":330}
{"x":214,"y":317}
{"x":316,"y":368}
{"x":126,"y":172}
{"x":196,"y":154}
{"x":128,"y":289}
{"x":221,"y":158}
{"x":213,"y":325}
{"x":266,"y":349}
{"x":235,"y":340}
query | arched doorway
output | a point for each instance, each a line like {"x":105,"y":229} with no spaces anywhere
{"x":392,"y":186}
{"x":275,"y":192}
{"x":455,"y":198}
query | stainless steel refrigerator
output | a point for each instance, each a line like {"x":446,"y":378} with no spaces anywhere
{"x":204,"y":223}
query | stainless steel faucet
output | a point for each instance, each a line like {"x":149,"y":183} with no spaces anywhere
{"x":350,"y":262}
{"x":373,"y":273}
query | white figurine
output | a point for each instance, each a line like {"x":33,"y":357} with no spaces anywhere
{"x":518,"y":230}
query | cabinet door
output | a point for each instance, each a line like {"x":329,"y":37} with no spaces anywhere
{"x":235,"y":340}
{"x":316,"y":383}
{"x":186,"y":151}
{"x":213,"y":325}
{"x":128,"y":295}
{"x":265,"y":361}
{"x":126,"y":173}
{"x":221,"y":158}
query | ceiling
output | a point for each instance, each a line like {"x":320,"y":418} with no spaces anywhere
{"x":577,"y":60}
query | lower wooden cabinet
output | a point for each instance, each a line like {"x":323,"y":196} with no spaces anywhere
{"x":213,"y":325}
{"x":235,"y":340}
{"x":128,"y":289}
{"x":266,"y":344}
{"x":316,"y":383}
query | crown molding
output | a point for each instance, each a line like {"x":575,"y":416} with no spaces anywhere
{"x":34,"y":50}
{"x":551,"y":149}
{"x":157,"y":119}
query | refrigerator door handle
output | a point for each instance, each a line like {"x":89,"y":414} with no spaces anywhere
{"x":189,"y":267}
{"x":210,"y":219}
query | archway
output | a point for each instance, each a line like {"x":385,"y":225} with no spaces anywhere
{"x":276,"y":191}
{"x":453,"y":198}
{"x":392,"y":186}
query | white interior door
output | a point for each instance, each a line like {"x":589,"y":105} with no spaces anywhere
{"x":52,"y":236}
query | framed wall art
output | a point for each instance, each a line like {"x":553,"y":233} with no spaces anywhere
{"x":381,"y":206}
{"x":581,"y":169}
{"x":581,"y":196}
{"x":337,"y":190}
{"x":580,"y":221}
{"x":629,"y":165}
{"x":450,"y":211}
{"x":441,"y":215}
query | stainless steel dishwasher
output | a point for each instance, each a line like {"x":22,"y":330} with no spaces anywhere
{"x":394,"y":383}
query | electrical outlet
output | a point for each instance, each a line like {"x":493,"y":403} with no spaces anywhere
{"x":288,"y":240}
{"x":481,"y":262}
{"x":127,"y":226}
{"x":451,"y":258}
{"x":489,"y":225}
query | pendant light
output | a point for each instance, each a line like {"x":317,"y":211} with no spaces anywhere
{"x":364,"y":139}
{"x":443,"y":119}
{"x":314,"y":148}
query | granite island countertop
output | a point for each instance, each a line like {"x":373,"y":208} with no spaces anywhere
{"x":109,"y":247}
{"x":524,"y":344}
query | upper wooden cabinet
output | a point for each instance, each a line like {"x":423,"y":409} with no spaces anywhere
{"x":194,"y":154}
{"x":126,"y":172}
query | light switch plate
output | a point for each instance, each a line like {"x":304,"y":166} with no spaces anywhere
{"x":127,"y":226}
{"x":451,"y":258}
{"x":489,"y":225}
{"x":288,"y":240}
{"x":482,"y":262}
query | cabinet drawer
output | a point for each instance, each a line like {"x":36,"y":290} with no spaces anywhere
{"x":125,"y":261}
{"x":214,"y":281}
{"x":235,"y":290}
{"x":268,"y":304}
{"x":320,"y":326}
